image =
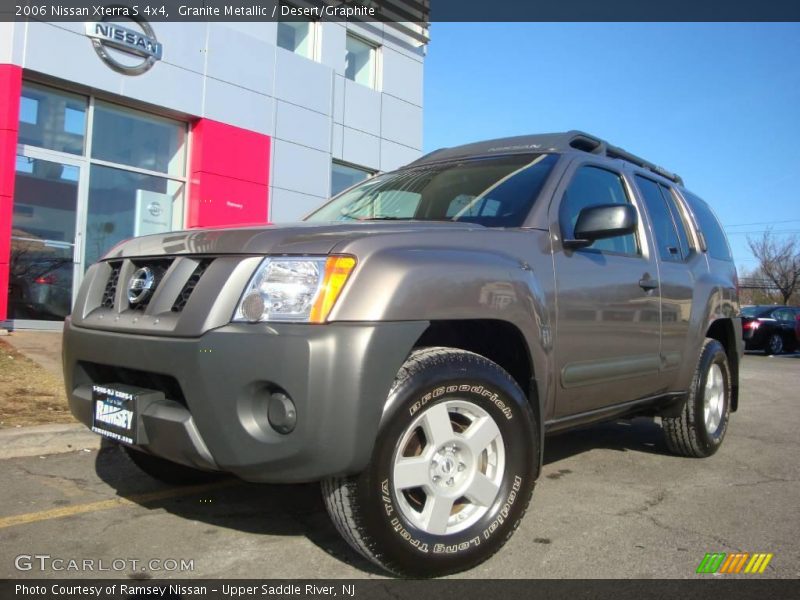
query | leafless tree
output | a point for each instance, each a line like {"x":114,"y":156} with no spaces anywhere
{"x":779,"y":261}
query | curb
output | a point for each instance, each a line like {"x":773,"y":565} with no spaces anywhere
{"x":39,"y":440}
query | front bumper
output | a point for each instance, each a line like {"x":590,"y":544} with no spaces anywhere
{"x":213,"y":414}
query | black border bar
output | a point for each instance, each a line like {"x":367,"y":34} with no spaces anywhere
{"x":698,"y":588}
{"x":422,"y":12}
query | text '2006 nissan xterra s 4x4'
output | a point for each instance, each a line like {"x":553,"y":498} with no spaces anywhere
{"x":413,"y":341}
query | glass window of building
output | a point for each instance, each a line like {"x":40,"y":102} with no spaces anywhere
{"x":344,"y":176}
{"x":42,"y":257}
{"x":125,"y":204}
{"x":125,"y":179}
{"x":139,"y":140}
{"x":298,"y":37}
{"x":52,"y":119}
{"x":360,"y":61}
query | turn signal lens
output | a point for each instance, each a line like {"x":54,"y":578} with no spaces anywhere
{"x":337,"y":270}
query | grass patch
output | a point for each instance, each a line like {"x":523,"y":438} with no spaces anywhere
{"x":29,"y":395}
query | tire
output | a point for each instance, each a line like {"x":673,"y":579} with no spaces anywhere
{"x":774,"y":344}
{"x":699,"y":429}
{"x":167,"y":471}
{"x":455,"y":396}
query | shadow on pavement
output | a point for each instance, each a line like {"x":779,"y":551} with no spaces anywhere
{"x":637,"y":435}
{"x":276,"y":510}
{"x":286,"y":510}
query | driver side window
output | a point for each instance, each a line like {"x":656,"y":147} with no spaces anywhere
{"x":591,"y":186}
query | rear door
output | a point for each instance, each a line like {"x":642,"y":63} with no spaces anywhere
{"x":607,"y":304}
{"x":785,"y":318}
{"x":679,"y":268}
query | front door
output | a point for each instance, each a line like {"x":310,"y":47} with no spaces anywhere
{"x":45,"y":249}
{"x":608,"y":320}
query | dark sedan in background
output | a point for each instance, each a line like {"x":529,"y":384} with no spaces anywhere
{"x":772,"y":329}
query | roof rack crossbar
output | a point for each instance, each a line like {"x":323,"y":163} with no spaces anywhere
{"x":615,"y":152}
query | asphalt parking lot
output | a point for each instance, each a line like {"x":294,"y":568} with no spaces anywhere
{"x":611,"y":504}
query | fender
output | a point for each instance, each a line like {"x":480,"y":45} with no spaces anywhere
{"x":405,"y":283}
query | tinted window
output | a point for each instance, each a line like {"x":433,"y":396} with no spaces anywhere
{"x":495,"y":192}
{"x":716,"y":242}
{"x":592,"y":186}
{"x":677,"y":218}
{"x":669,"y":246}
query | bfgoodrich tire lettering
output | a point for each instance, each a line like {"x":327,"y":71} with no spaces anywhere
{"x":377,"y":517}
{"x":699,"y":429}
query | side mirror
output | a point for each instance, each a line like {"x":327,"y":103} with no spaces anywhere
{"x":603,"y":221}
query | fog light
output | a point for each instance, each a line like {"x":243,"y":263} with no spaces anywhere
{"x":282,"y":414}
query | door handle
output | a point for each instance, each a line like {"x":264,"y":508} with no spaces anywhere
{"x":647,"y":284}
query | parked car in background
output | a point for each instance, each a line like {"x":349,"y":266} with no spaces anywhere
{"x":773,"y":329}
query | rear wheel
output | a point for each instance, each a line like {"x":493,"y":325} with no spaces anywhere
{"x":451,"y":473}
{"x":168,"y":471}
{"x":774,"y":344}
{"x":700,"y":427}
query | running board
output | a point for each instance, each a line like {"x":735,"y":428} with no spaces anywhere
{"x":610,"y":412}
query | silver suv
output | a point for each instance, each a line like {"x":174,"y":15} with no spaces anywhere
{"x":411,"y":344}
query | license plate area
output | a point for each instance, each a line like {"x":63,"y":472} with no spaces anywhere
{"x":114,"y":412}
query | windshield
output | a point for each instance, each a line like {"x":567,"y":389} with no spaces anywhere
{"x":495,"y":192}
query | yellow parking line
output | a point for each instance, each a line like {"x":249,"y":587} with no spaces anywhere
{"x":77,"y":509}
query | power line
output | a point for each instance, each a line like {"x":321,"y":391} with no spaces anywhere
{"x":764,"y":223}
{"x":778,"y":231}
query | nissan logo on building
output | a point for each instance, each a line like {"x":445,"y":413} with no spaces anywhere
{"x":141,"y":285}
{"x":116,"y":44}
{"x":154,"y":208}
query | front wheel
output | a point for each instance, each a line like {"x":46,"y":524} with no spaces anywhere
{"x":452,"y":470}
{"x":700,"y":427}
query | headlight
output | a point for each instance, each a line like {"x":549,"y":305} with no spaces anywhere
{"x":299,"y":289}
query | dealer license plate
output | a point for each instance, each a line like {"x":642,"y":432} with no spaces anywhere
{"x":114,"y":413}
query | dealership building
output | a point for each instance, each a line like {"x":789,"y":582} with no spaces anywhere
{"x":110,"y":130}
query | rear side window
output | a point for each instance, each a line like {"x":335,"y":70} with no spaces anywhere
{"x":716,"y":242}
{"x":589,"y":187}
{"x":678,"y":218}
{"x":664,"y":226}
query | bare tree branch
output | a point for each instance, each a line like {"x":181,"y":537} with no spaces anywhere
{"x":779,"y":261}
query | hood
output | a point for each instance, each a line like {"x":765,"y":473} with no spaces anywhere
{"x":294,"y":238}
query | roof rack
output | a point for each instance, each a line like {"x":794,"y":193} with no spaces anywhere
{"x":545,"y":142}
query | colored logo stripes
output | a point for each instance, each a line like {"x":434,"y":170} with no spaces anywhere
{"x":736,"y":562}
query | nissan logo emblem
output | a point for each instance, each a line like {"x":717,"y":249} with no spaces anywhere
{"x":154,"y":208}
{"x":141,"y":285}
{"x":108,"y":35}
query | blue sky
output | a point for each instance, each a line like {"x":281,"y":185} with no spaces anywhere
{"x":717,"y":103}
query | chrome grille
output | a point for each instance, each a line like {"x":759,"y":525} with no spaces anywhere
{"x":111,"y":286}
{"x":188,"y":288}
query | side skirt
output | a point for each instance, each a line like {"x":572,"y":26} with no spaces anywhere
{"x":650,"y":405}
